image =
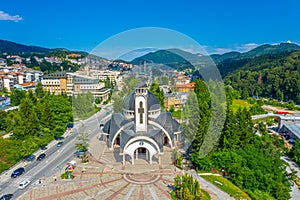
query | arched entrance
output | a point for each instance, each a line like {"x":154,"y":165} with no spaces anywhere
{"x":142,"y":153}
{"x":145,"y":147}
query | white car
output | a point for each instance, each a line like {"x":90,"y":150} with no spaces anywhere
{"x":24,"y":184}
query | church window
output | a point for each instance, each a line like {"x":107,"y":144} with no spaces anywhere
{"x":141,"y":112}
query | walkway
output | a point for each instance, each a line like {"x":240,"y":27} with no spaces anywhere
{"x":106,"y":178}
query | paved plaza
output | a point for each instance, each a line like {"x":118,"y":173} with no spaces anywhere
{"x":106,"y":178}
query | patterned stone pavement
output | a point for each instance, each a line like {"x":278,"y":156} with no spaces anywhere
{"x":106,"y":178}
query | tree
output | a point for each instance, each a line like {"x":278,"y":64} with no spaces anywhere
{"x":83,"y":141}
{"x":118,"y":103}
{"x":191,"y":117}
{"x":245,"y":93}
{"x":204,"y":114}
{"x":97,"y":101}
{"x":39,"y":90}
{"x":4,"y":90}
{"x":3,"y":121}
{"x":295,"y":153}
{"x":46,"y":116}
{"x":154,"y":88}
{"x":187,"y":188}
{"x":16,"y":97}
{"x":229,"y":138}
{"x":107,"y":83}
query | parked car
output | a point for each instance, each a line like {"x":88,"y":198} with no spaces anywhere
{"x":18,"y":172}
{"x":30,"y":158}
{"x":24,"y":184}
{"x":6,"y":197}
{"x":69,"y":126}
{"x":41,"y":156}
{"x":79,"y":153}
{"x":60,"y":138}
{"x":292,"y":141}
{"x":60,"y":144}
{"x":44,"y":148}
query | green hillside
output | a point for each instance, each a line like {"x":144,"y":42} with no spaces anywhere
{"x":275,"y":76}
{"x":175,"y":58}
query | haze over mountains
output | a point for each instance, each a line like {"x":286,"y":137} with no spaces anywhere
{"x":175,"y":58}
{"x":16,"y":48}
{"x":167,"y":56}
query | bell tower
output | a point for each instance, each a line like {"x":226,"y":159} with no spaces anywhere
{"x":141,"y":108}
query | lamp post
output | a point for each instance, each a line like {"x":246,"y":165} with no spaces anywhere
{"x":59,"y":167}
{"x":180,"y":187}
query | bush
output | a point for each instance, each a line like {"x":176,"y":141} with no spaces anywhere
{"x":65,"y":175}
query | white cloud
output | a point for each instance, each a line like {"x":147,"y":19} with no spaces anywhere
{"x":240,"y":48}
{"x":7,"y":17}
{"x":246,"y":47}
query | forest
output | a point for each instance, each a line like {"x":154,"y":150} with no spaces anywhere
{"x":40,"y":118}
{"x":251,"y":162}
{"x":273,"y":76}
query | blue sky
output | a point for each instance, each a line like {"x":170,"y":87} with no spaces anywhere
{"x":219,"y":26}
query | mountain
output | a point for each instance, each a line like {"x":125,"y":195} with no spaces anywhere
{"x":15,"y":48}
{"x":270,"y":49}
{"x":226,"y":57}
{"x":175,"y":58}
{"x":136,"y":53}
{"x":258,"y":51}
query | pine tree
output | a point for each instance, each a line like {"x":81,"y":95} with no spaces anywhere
{"x":39,"y":91}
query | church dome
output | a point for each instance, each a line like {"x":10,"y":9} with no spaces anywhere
{"x":152,"y":102}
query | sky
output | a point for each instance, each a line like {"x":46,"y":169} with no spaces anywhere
{"x":219,"y":26}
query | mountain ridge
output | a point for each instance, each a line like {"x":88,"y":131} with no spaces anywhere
{"x":258,"y":51}
{"x":10,"y":47}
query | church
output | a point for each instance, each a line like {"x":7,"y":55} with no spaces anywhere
{"x":141,"y":127}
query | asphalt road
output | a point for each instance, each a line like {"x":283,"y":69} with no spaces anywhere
{"x":295,"y":193}
{"x":56,"y":157}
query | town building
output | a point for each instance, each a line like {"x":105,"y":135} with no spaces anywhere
{"x":25,"y":86}
{"x":2,"y":62}
{"x":141,"y":127}
{"x":181,"y":79}
{"x":4,"y":101}
{"x":103,"y":75}
{"x":189,"y":87}
{"x":74,"y":84}
{"x":177,"y":100}
{"x":290,"y":125}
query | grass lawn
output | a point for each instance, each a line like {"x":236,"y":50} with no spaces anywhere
{"x":205,"y":195}
{"x":227,"y":186}
{"x":238,"y":103}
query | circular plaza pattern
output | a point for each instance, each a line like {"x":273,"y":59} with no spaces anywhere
{"x":141,"y":179}
{"x":105,"y":178}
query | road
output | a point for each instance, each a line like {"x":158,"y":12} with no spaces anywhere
{"x":218,"y":194}
{"x":56,"y":157}
{"x":264,"y":116}
{"x":295,"y":193}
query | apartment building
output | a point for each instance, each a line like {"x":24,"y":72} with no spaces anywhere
{"x":74,"y":84}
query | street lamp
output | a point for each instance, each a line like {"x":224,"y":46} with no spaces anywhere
{"x":60,"y":168}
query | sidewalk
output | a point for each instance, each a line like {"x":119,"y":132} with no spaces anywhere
{"x":214,"y":192}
